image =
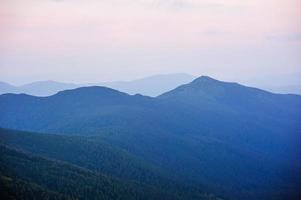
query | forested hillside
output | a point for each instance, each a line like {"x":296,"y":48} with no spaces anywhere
{"x":24,"y":176}
{"x":96,"y":155}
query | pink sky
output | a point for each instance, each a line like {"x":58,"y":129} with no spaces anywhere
{"x":98,"y":40}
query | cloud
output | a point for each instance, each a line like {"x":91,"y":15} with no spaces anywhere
{"x":188,"y":4}
{"x":213,"y":32}
{"x":285,"y":37}
{"x":166,"y":4}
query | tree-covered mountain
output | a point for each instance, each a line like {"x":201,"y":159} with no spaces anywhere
{"x":241,"y":142}
{"x":24,"y":176}
{"x":95,"y":156}
{"x":86,"y":152}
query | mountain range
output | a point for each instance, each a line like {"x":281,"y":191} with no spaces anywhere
{"x":150,"y":86}
{"x":211,"y":139}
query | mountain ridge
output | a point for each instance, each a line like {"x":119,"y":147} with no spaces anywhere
{"x":143,"y":86}
{"x":149,"y":86}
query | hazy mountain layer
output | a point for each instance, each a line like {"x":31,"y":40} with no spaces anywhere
{"x":150,"y":86}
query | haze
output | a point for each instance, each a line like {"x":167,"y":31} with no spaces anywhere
{"x":107,"y":40}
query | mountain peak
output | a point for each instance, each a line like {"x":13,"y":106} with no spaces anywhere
{"x":90,"y":90}
{"x":204,"y":79}
{"x":205,"y":87}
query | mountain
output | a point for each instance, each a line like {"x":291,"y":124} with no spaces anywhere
{"x":285,"y":84}
{"x":98,"y":105}
{"x":150,"y":86}
{"x":99,"y":157}
{"x":7,"y":88}
{"x":24,"y":176}
{"x":39,"y":88}
{"x":249,"y":116}
{"x":80,"y":151}
{"x":286,"y":89}
{"x":238,"y":141}
{"x":45,"y":88}
{"x":206,"y":91}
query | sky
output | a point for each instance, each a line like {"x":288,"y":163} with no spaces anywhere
{"x":107,"y":40}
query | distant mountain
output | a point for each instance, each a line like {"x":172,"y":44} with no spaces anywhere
{"x":150,"y":86}
{"x":285,"y":89}
{"x":7,"y":88}
{"x":240,"y":142}
{"x":45,"y":88}
{"x":40,"y":88}
{"x":284,"y":83}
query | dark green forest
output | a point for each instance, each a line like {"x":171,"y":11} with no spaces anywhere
{"x":25,"y":176}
